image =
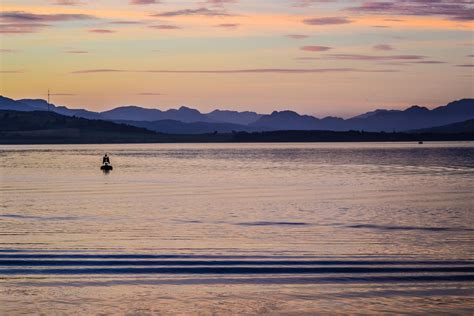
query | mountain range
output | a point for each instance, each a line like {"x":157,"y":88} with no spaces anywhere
{"x":43,"y":127}
{"x":186,"y":120}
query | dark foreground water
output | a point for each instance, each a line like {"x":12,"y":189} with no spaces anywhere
{"x":237,"y":229}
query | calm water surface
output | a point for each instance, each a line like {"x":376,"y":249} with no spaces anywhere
{"x":237,"y":229}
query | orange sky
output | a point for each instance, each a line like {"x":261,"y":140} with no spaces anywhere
{"x":315,"y":57}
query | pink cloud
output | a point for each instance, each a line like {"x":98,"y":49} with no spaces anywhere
{"x":101,"y":31}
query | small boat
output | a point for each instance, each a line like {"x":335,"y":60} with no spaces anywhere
{"x":106,"y":167}
{"x":420,"y":143}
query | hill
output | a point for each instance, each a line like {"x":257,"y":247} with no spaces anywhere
{"x":177,"y":127}
{"x":50,"y":127}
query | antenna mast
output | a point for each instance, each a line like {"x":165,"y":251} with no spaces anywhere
{"x":48,"y":100}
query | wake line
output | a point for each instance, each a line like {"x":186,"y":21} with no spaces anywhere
{"x":259,"y":280}
{"x":46,"y":263}
{"x":241,"y":270}
{"x":238,"y":259}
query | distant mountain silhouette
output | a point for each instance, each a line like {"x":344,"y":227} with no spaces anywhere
{"x":234,"y":117}
{"x":42,"y":127}
{"x":290,"y":120}
{"x":171,"y":121}
{"x":177,"y":127}
{"x":42,"y":105}
{"x":461,"y":127}
{"x":414,"y":117}
{"x":10,"y":104}
{"x":135,"y":113}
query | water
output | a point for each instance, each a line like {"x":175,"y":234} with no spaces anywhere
{"x":237,"y":229}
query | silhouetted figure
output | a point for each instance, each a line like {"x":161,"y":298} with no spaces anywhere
{"x":106,"y":166}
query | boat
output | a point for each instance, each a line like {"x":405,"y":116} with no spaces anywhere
{"x":106,"y":167}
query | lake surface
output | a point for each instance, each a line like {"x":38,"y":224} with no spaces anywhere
{"x":237,"y":229}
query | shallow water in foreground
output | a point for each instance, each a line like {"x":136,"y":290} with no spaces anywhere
{"x":237,"y":229}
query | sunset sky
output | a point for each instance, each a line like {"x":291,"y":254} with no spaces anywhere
{"x":317,"y":57}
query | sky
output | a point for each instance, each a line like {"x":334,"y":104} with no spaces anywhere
{"x":318,"y":57}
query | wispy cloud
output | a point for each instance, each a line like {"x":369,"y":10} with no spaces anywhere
{"x":227,"y":25}
{"x":125,"y":22}
{"x":465,"y":65}
{"x":68,"y":2}
{"x":164,"y":27}
{"x":101,"y":70}
{"x":149,"y":93}
{"x":428,"y":62}
{"x":77,"y":52}
{"x":21,"y":16}
{"x":327,"y":21}
{"x":373,"y":57}
{"x":235,"y":71}
{"x":383,"y":47}
{"x":21,"y":28}
{"x":102,"y":31}
{"x":11,"y":71}
{"x":314,"y":48}
{"x":307,"y":3}
{"x":452,"y":9}
{"x":187,"y":12}
{"x":20,"y":22}
{"x":220,"y":3}
{"x":296,"y":36}
{"x":308,"y":58}
{"x":144,"y":1}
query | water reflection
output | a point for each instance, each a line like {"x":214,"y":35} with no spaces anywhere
{"x":237,"y":228}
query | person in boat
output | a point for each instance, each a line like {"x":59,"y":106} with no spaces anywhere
{"x":105,"y":160}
